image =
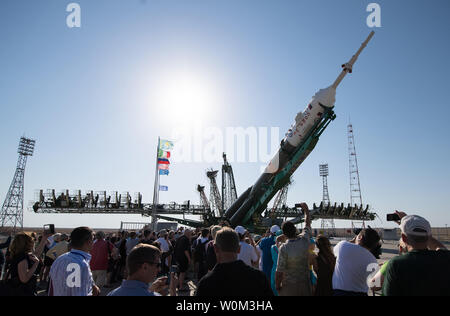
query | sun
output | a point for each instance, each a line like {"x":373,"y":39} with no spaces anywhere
{"x":185,"y":96}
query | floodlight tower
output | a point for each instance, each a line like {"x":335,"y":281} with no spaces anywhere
{"x":12,"y":209}
{"x":326,"y":223}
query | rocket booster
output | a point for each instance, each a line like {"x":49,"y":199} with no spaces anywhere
{"x":296,"y":135}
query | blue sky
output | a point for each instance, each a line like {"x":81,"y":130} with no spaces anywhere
{"x":92,"y":99}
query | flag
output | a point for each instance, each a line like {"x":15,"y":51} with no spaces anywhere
{"x":163,"y":154}
{"x":163,"y":167}
{"x":165,"y":145}
{"x":163,"y":188}
{"x":163,"y":172}
{"x":163,"y":161}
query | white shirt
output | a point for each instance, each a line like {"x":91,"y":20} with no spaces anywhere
{"x":260,"y":255}
{"x":354,"y":264}
{"x":164,"y":244}
{"x":247,"y":253}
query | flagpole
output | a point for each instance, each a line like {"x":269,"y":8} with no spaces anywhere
{"x":156,"y":190}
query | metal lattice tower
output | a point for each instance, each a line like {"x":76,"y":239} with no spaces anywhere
{"x":281,"y":198}
{"x":12,"y":210}
{"x":204,"y":202}
{"x":326,"y":223}
{"x":355,"y":186}
{"x":215,"y":200}
{"x":229,"y":194}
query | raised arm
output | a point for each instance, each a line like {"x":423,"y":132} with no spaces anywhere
{"x":41,"y":246}
{"x":305,"y":210}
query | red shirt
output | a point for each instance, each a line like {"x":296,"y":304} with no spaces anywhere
{"x":100,"y":255}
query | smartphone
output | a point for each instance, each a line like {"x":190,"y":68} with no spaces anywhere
{"x":392,"y":217}
{"x":174,"y":269}
{"x":49,"y":228}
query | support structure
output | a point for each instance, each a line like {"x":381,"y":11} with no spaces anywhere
{"x":207,"y":217}
{"x":326,"y":223}
{"x":12,"y":210}
{"x":280,"y":201}
{"x":215,"y":199}
{"x":229,"y":194}
{"x":355,"y":186}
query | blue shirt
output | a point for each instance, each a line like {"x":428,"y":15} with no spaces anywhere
{"x":265,"y":245}
{"x":133,"y":288}
{"x":71,"y":275}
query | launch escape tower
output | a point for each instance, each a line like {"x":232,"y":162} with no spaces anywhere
{"x":355,"y":186}
{"x":12,"y":209}
{"x":326,"y":223}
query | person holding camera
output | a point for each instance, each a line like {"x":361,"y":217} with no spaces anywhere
{"x":144,"y":264}
{"x":424,"y":269}
{"x":293,"y":276}
{"x":354,"y":260}
{"x":21,"y":278}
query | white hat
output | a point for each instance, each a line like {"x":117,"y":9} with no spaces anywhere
{"x":410,"y":223}
{"x":240,"y":230}
{"x":274,"y":229}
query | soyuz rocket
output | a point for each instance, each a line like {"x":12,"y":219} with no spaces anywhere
{"x":255,"y":198}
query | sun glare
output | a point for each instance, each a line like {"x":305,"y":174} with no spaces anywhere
{"x":185,"y":96}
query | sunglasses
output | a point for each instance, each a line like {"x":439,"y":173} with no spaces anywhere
{"x":158,"y":264}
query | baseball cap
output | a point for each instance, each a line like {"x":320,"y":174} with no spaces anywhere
{"x":415,"y":226}
{"x":274,"y":229}
{"x":240,"y":230}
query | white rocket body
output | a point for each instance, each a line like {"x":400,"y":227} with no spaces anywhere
{"x":304,"y":121}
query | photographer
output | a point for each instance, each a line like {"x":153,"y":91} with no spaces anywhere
{"x":144,"y":264}
{"x":293,"y":276}
{"x":424,"y":269}
{"x":353,"y":260}
{"x":24,"y":260}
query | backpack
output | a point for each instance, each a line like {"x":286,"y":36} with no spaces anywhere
{"x":200,"y":251}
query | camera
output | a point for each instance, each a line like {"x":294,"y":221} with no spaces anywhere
{"x":392,"y":217}
{"x":49,"y":228}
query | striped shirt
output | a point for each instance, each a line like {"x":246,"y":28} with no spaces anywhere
{"x":71,"y":275}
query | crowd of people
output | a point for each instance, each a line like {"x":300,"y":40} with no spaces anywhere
{"x":225,"y":261}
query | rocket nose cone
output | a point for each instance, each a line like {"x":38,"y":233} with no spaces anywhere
{"x":326,"y":97}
